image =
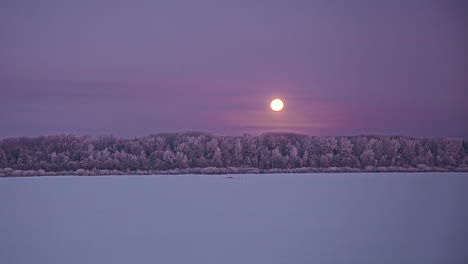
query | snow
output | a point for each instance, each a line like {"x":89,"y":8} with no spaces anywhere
{"x":276,"y":218}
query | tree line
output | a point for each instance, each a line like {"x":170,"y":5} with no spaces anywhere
{"x":188,"y":150}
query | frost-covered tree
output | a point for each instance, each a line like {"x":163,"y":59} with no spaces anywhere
{"x":168,"y":151}
{"x":276,"y":158}
{"x":217,"y":158}
{"x":368,"y":158}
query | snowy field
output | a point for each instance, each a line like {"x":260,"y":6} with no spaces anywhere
{"x":278,"y":218}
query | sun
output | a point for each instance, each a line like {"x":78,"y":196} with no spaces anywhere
{"x":276,"y":105}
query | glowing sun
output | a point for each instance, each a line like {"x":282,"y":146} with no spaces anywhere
{"x":276,"y":105}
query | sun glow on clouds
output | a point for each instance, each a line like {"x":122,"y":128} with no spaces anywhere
{"x":310,"y":117}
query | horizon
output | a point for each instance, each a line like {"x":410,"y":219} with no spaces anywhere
{"x":231,"y":135}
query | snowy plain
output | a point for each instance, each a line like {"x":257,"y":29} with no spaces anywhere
{"x":276,"y":218}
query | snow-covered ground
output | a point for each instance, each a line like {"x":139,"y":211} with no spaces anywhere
{"x":278,"y":218}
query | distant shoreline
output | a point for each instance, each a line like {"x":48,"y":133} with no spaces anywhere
{"x":205,"y":153}
{"x":7,"y":173}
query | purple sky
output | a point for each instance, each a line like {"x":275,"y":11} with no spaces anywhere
{"x":132,"y":68}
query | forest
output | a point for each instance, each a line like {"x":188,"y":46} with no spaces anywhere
{"x":201,"y":152}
